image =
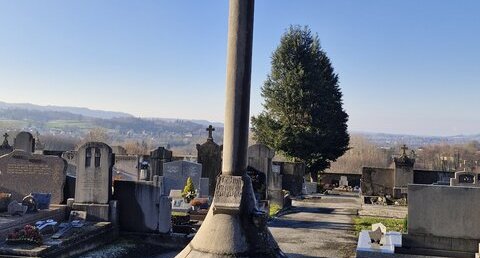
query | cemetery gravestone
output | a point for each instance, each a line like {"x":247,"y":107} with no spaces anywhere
{"x":204,"y":187}
{"x":24,"y":141}
{"x":209,"y":155}
{"x":94,"y":173}
{"x":465,"y":178}
{"x":71,"y":158}
{"x":176,"y":174}
{"x":22,"y":173}
{"x":260,"y":158}
{"x":403,"y":174}
{"x":93,"y":189}
{"x":158,"y":157}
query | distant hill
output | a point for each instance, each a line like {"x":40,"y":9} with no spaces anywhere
{"x":74,"y":110}
{"x":76,"y":123}
{"x":415,"y":141}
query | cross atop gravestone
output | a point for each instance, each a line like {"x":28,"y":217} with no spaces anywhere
{"x":404,"y":150}
{"x":5,"y":140}
{"x":210,"y":129}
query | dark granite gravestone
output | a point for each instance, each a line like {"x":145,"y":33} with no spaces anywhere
{"x":209,"y":155}
{"x":24,"y":141}
{"x":259,"y":183}
{"x":144,"y":207}
{"x":158,"y":157}
{"x":22,"y":173}
{"x":260,"y":158}
{"x":175,"y":175}
{"x":5,"y":147}
{"x":466,"y":179}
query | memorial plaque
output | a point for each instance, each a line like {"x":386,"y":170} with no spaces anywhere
{"x":466,"y":179}
{"x":22,"y":173}
{"x":228,"y":193}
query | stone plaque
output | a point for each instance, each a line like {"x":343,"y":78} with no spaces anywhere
{"x":466,"y":179}
{"x":228,"y":193}
{"x":22,"y":173}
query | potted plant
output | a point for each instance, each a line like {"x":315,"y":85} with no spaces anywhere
{"x":189,"y":192}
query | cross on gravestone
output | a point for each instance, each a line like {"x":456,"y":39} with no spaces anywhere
{"x":404,"y":149}
{"x":210,"y":129}
{"x":5,"y":141}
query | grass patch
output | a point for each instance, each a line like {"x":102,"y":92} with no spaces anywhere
{"x":361,"y":223}
{"x":178,"y":213}
{"x":14,"y":124}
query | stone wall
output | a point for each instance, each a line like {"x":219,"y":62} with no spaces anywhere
{"x":443,"y":217}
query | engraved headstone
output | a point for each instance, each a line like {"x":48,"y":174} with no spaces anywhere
{"x":24,"y":141}
{"x":94,"y":173}
{"x":176,"y":173}
{"x":22,"y":173}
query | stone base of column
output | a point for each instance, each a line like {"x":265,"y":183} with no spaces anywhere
{"x":231,"y":232}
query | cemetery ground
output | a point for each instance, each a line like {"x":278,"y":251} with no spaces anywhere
{"x":318,"y":227}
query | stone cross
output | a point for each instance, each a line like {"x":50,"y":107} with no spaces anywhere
{"x":210,"y":129}
{"x":404,"y":149}
{"x":5,"y":141}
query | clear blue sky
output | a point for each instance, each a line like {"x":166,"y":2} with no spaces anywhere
{"x":404,"y":66}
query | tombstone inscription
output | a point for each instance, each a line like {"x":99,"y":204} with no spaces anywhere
{"x":228,"y":193}
{"x":22,"y":173}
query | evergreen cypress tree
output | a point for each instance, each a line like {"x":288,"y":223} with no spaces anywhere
{"x":303,"y":115}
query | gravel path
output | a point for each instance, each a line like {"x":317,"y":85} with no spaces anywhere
{"x":318,"y":228}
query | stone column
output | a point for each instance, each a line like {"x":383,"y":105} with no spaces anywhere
{"x":237,"y":107}
{"x":233,"y":227}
